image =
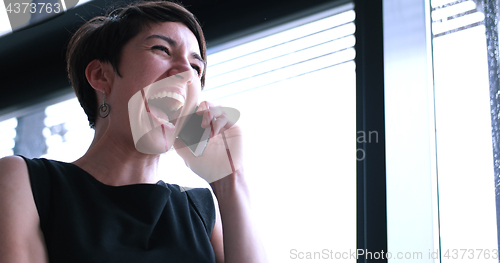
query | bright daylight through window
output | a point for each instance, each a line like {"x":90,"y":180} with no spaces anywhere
{"x":466,"y":189}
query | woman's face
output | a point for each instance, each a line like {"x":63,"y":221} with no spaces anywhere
{"x":161,"y":81}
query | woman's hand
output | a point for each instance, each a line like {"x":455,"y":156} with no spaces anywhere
{"x":223,"y":153}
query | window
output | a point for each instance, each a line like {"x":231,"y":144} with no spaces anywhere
{"x":7,"y":136}
{"x":467,"y":212}
{"x":67,"y":133}
{"x":440,"y":180}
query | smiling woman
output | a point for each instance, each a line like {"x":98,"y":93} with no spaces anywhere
{"x":142,"y":66}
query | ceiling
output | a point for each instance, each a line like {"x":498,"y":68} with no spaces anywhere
{"x":32,"y":64}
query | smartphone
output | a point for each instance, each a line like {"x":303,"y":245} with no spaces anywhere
{"x":193,"y":135}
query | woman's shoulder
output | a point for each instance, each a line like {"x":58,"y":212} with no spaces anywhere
{"x":13,"y":174}
{"x":13,"y":171}
{"x":43,"y":171}
{"x":42,"y":163}
{"x":12,"y":165}
{"x":202,"y":201}
{"x":20,"y":164}
{"x":197,"y":196}
{"x":21,"y":238}
{"x":38,"y":170}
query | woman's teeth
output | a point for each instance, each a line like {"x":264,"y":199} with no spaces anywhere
{"x":176,"y":103}
{"x":163,"y":121}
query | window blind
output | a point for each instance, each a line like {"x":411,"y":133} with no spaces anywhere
{"x":453,"y":16}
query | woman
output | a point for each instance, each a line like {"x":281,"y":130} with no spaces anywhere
{"x":108,"y":206}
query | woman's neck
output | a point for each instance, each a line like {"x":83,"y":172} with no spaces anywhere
{"x":113,"y":162}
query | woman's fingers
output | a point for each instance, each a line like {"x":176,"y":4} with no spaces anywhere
{"x":216,"y":117}
{"x":201,"y":108}
{"x":219,"y":124}
{"x":210,"y":111}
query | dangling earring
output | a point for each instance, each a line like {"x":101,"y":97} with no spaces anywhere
{"x":104,"y":109}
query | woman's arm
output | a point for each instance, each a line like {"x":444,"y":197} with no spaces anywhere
{"x":241,"y":242}
{"x":217,"y":237}
{"x":21,"y":239}
{"x":222,"y":166}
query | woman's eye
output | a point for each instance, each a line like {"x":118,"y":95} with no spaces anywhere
{"x":162,"y":48}
{"x":196,"y":68}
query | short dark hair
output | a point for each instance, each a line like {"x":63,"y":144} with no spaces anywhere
{"x":103,"y":38}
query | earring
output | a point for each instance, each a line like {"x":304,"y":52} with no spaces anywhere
{"x":104,"y":109}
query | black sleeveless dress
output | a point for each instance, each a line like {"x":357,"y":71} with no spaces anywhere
{"x":84,"y":220}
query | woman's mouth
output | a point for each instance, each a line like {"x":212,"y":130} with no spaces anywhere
{"x":166,"y":106}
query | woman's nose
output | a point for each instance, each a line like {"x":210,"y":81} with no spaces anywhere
{"x":182,"y":66}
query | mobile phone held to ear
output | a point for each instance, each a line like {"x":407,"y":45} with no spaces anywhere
{"x":193,"y":135}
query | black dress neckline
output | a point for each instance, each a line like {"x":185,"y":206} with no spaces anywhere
{"x":82,"y":171}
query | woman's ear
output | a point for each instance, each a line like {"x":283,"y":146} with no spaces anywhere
{"x":100,"y":75}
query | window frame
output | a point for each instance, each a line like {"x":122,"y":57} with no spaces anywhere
{"x":371,"y":171}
